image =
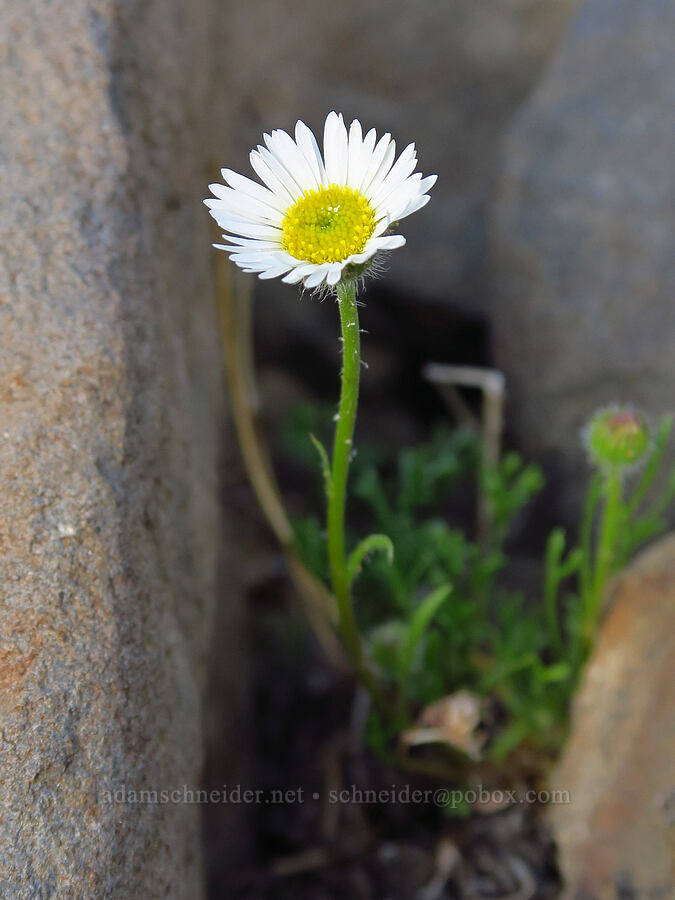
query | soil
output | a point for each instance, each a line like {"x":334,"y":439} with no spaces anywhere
{"x":328,"y":820}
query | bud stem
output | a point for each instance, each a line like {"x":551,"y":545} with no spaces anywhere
{"x":606,"y":549}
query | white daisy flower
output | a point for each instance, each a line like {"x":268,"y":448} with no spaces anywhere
{"x":316,"y":215}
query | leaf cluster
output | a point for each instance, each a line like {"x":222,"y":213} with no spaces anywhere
{"x":435,"y":615}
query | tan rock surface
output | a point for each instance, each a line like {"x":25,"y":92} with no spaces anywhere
{"x":617,"y":835}
{"x":110,"y":411}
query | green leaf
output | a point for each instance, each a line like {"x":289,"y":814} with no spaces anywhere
{"x":419,"y":623}
{"x":508,"y":740}
{"x":651,"y":523}
{"x":499,"y":677}
{"x":368,"y":487}
{"x":571,"y":564}
{"x":325,"y":464}
{"x":368,"y":545}
{"x":663,"y":502}
{"x":653,"y":464}
{"x":639,"y":532}
{"x":556,"y":673}
{"x":310,"y":543}
{"x":555,"y":547}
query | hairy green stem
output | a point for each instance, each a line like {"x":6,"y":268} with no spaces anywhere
{"x":586,"y":535}
{"x":606,"y":549}
{"x":342,"y":452}
{"x":554,"y":550}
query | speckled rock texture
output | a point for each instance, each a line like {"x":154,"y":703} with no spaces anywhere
{"x":582,"y":235}
{"x":447,"y":74}
{"x":616,"y":838}
{"x":110,"y":422}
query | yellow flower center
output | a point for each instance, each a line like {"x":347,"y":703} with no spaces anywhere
{"x":327,"y":225}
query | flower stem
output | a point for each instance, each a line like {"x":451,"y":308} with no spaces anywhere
{"x":609,"y":531}
{"x":342,"y":451}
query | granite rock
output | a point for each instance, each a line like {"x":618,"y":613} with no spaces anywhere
{"x":582,"y":262}
{"x":110,"y":424}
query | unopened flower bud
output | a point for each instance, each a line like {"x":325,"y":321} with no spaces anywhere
{"x":617,"y":437}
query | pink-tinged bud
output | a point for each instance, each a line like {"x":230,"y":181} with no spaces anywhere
{"x":617,"y":437}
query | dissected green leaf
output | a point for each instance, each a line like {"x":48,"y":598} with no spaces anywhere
{"x":325,"y":464}
{"x":421,"y":620}
{"x":372,"y":544}
{"x":652,"y":465}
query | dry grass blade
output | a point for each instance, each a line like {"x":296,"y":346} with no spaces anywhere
{"x":235,"y":308}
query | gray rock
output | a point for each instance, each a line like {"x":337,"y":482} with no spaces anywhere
{"x":110,"y":416}
{"x":447,"y":74}
{"x":582,"y":234}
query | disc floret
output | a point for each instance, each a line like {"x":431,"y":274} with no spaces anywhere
{"x":327,"y":225}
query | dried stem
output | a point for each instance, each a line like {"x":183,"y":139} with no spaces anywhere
{"x":235,"y":317}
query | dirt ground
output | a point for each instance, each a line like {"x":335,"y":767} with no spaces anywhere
{"x":330,"y":821}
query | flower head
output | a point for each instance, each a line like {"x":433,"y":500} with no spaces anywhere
{"x":316,"y":215}
{"x":617,"y":437}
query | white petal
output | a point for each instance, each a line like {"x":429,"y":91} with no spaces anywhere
{"x":404,"y":166}
{"x":375,"y":161}
{"x":334,"y":273}
{"x":252,"y":188}
{"x":263,"y":248}
{"x":400,"y":197}
{"x":415,"y":205}
{"x":372,"y":183}
{"x":306,"y":141}
{"x":354,"y":154}
{"x":250,"y":258}
{"x":244,"y":206}
{"x":253,"y":243}
{"x":427,"y":183}
{"x":317,"y":276}
{"x":335,"y":149}
{"x":390,"y":242}
{"x":271,"y":273}
{"x":246,"y":229}
{"x":273,"y":182}
{"x":265,"y":259}
{"x":358,"y":258}
{"x":287,"y":258}
{"x":285,"y":149}
{"x":274,"y":271}
{"x":251,"y":265}
{"x":375,"y":245}
{"x":294,"y":189}
{"x":381,"y":226}
{"x":218,"y":190}
{"x":299,"y":273}
{"x":275,"y":258}
{"x":250,"y":254}
{"x":366,"y":157}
